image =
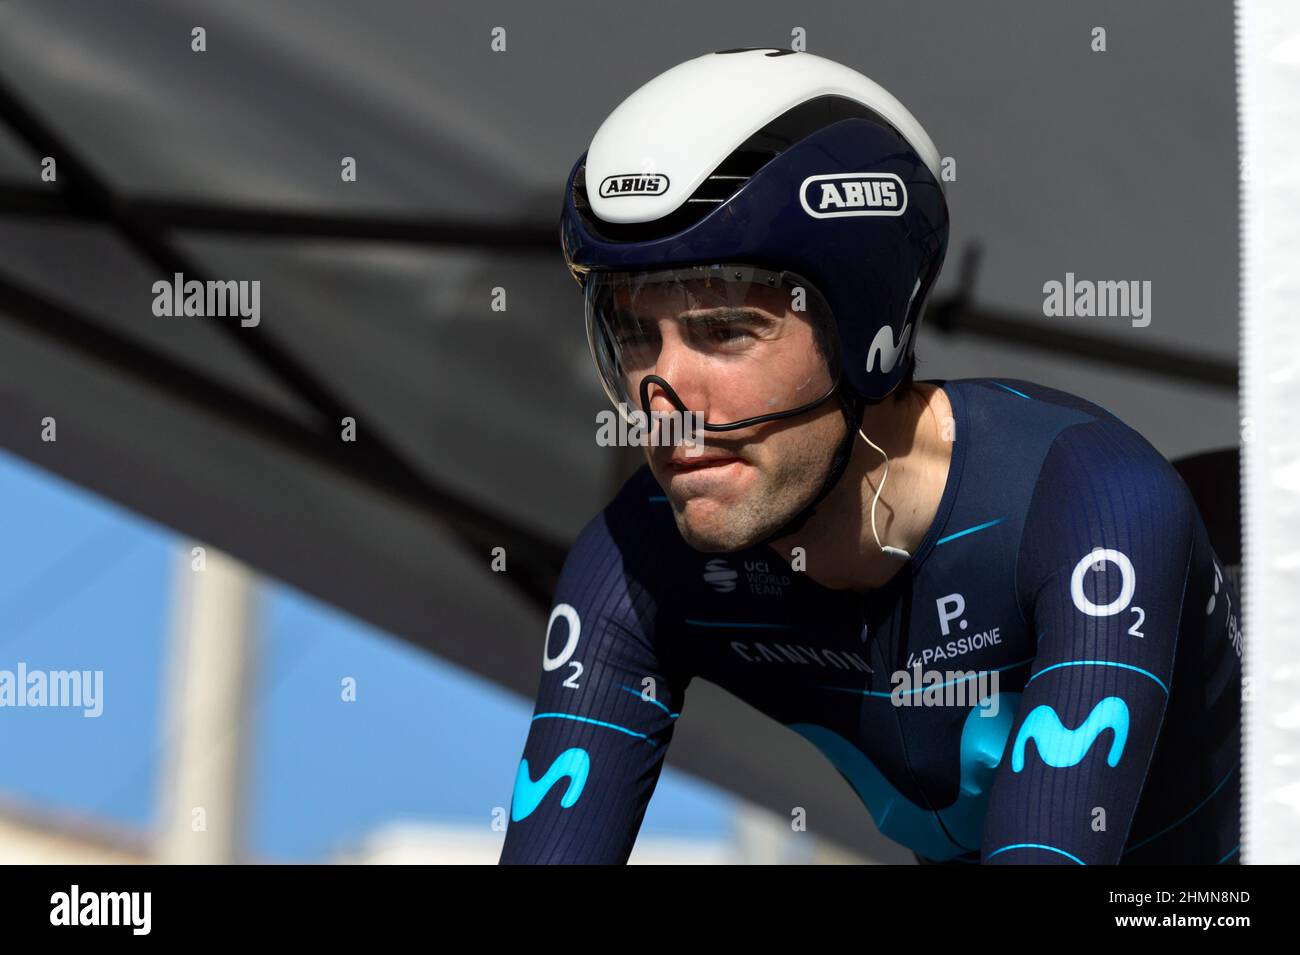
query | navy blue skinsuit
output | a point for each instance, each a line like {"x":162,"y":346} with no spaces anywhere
{"x":1067,"y":557}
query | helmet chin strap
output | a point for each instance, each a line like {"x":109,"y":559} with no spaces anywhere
{"x":851,"y":405}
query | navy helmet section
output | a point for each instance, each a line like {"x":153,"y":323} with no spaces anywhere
{"x":787,"y":162}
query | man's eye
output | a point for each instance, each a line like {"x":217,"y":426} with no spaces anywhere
{"x":724,"y":332}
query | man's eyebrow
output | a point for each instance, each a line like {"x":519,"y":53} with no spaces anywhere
{"x":626,"y":316}
{"x":729,"y":311}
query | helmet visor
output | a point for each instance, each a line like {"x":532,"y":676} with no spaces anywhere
{"x":735,"y":343}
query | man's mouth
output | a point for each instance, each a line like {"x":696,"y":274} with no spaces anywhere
{"x":686,"y":465}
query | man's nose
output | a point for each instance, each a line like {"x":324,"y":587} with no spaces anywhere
{"x":682,"y":367}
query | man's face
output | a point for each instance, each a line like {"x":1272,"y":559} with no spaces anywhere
{"x":729,"y":363}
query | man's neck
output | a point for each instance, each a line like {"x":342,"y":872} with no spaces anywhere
{"x":916,"y":432}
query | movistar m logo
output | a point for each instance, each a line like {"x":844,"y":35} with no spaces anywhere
{"x":853,"y":194}
{"x":1060,"y":747}
{"x":573,"y":764}
{"x":885,"y":350}
{"x":634,"y":184}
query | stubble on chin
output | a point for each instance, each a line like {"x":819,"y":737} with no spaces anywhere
{"x":714,"y":527}
{"x":787,"y":471}
{"x":721,"y":529}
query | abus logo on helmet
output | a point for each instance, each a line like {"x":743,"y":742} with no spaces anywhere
{"x":853,"y":194}
{"x":634,"y":184}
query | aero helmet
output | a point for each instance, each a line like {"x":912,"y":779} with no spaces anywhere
{"x":771,"y":168}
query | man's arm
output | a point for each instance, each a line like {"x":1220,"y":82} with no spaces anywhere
{"x":1101,"y":575}
{"x":605,"y":712}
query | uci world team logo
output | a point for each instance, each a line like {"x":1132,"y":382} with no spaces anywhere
{"x":634,"y":184}
{"x":853,"y":194}
{"x":720,"y":575}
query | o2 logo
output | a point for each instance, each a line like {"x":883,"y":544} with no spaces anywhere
{"x":1096,"y":560}
{"x":569,"y":615}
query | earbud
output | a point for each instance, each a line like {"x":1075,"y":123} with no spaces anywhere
{"x":896,"y":552}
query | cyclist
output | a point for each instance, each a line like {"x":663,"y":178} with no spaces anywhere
{"x":992,"y":605}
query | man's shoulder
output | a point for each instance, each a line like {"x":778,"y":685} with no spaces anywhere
{"x":1083,"y":458}
{"x":1012,"y":399}
{"x":1026,"y":442}
{"x":635,"y":529}
{"x":1022,"y":420}
{"x":640,"y":504}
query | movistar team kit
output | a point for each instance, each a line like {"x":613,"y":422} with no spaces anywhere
{"x":1053,"y":677}
{"x":1066,"y":556}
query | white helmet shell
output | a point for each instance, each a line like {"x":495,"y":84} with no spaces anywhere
{"x":668,"y":137}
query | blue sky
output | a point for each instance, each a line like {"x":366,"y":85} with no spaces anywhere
{"x":86,"y":585}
